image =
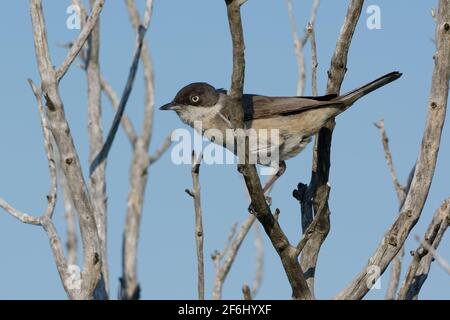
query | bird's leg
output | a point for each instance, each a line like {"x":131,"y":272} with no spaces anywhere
{"x":272,"y":179}
{"x":269,"y":185}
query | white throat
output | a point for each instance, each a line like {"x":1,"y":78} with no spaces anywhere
{"x":190,"y":114}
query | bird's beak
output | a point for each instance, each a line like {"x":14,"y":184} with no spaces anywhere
{"x":168,"y":106}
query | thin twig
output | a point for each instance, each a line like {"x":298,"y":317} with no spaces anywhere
{"x":161,"y":150}
{"x":298,"y":49}
{"x":311,"y":21}
{"x":259,"y":261}
{"x":125,"y":121}
{"x":314,"y":63}
{"x":103,"y":154}
{"x":196,"y":160}
{"x":399,"y":189}
{"x":78,"y":44}
{"x":441,"y":261}
{"x":21,"y":216}
{"x":231,"y":250}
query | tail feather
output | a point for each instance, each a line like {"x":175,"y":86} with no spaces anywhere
{"x":349,"y":98}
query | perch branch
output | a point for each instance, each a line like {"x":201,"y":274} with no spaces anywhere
{"x":259,"y":205}
{"x":195,"y":193}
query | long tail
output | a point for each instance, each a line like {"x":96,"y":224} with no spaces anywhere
{"x":349,"y":98}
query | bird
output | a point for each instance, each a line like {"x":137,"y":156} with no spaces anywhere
{"x":296,"y":119}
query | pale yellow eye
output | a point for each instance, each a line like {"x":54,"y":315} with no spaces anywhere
{"x":195,"y":99}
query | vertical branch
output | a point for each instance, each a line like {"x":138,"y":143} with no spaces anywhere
{"x":314,"y":63}
{"x":318,"y":189}
{"x":298,"y":49}
{"x":195,"y":194}
{"x":259,"y":205}
{"x":259,"y":262}
{"x":97,"y":179}
{"x":69,"y":214}
{"x":425,"y":166}
{"x":130,"y":288}
{"x":247,"y":292}
{"x":59,"y":128}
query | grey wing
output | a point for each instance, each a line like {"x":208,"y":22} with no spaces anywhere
{"x":258,"y":107}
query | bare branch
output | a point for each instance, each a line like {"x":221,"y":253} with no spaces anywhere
{"x":161,"y":150}
{"x":441,"y":261}
{"x":311,"y":21}
{"x":318,"y":190}
{"x":312,"y":39}
{"x":399,"y":189}
{"x":298,"y":48}
{"x":401,"y":193}
{"x":125,"y":121}
{"x":97,"y":179}
{"x":83,"y":13}
{"x":71,"y":241}
{"x":130,"y":288}
{"x":21,"y":216}
{"x":259,"y":205}
{"x":103,"y":154}
{"x":246,"y":292}
{"x":422,"y":257}
{"x":196,"y":160}
{"x":259,"y":261}
{"x":417,"y":194}
{"x":70,"y":162}
{"x":231,"y":250}
{"x":81,"y":40}
{"x":51,"y":197}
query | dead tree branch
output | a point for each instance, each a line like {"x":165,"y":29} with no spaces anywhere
{"x":259,"y":261}
{"x":401,"y":193}
{"x":59,"y":128}
{"x":399,"y":189}
{"x":298,"y":49}
{"x":422,"y":257}
{"x":45,"y":219}
{"x":130,"y":288}
{"x":260,"y":207}
{"x":229,"y":254}
{"x":315,"y":196}
{"x":195,"y":194}
{"x":103,"y":154}
{"x":97,"y":179}
{"x":417,"y":194}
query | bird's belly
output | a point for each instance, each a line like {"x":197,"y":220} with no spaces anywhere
{"x":292,"y":146}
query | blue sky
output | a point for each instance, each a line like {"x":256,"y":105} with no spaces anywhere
{"x":190,"y":42}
